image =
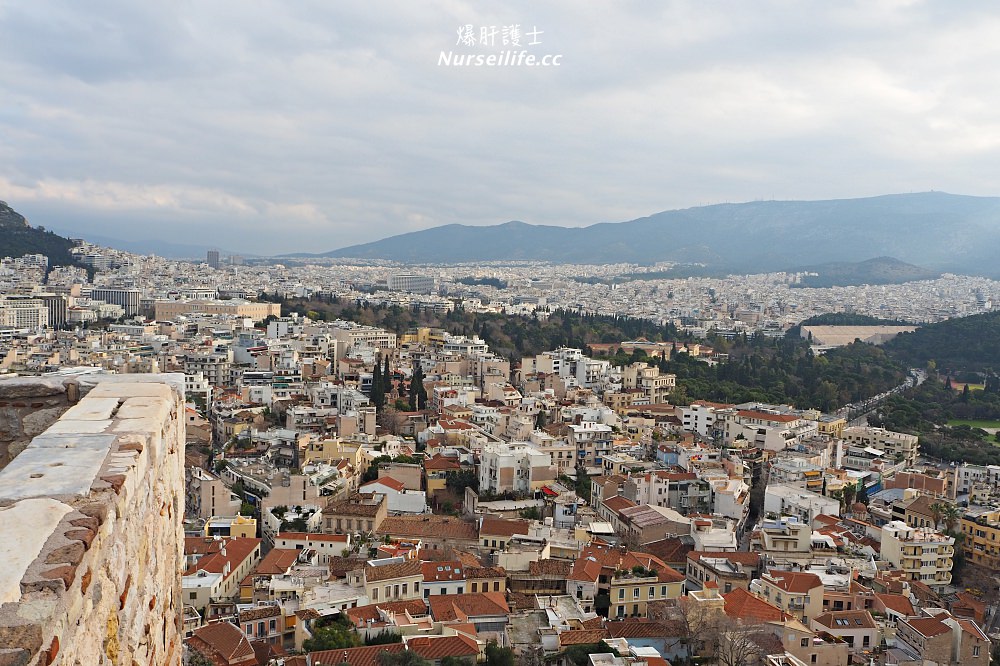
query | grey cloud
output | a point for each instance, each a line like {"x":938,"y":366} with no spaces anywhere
{"x":272,"y":126}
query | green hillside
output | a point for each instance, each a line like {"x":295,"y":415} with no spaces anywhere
{"x":967,"y":344}
{"x":17,"y":238}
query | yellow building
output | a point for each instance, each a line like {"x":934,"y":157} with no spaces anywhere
{"x":982,"y":538}
{"x":646,"y":579}
{"x":236,"y":527}
{"x":329,"y":450}
{"x":393,"y":582}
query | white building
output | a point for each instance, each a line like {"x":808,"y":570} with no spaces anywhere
{"x":923,"y":554}
{"x":783,"y":500}
{"x":899,"y":447}
{"x":513,"y":468}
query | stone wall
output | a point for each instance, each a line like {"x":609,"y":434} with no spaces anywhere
{"x":91,"y":543}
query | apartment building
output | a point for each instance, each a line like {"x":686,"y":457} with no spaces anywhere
{"x":797,"y":593}
{"x":513,"y":468}
{"x":898,"y":447}
{"x":923,"y":554}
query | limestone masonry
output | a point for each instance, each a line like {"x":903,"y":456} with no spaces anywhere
{"x":91,"y":500}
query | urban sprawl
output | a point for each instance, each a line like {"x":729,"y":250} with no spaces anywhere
{"x":370,"y":497}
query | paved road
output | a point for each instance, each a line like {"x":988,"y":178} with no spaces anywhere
{"x":860,"y":410}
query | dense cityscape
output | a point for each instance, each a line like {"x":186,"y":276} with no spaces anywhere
{"x":365,"y":495}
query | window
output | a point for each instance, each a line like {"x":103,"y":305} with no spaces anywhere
{"x":635,"y":593}
{"x":975,"y":650}
{"x":406,"y":587}
{"x":804,"y":642}
{"x":474,"y":587}
{"x":621,"y":593}
{"x":663,"y":591}
{"x":496,"y":586}
{"x":866,"y":642}
{"x":427,"y":593}
{"x":193,"y":596}
{"x":461,"y":589}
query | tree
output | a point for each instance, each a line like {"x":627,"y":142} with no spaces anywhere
{"x":336,"y":634}
{"x":384,"y":637}
{"x":378,"y":385}
{"x":457,"y":661}
{"x":950,"y":515}
{"x":499,"y":656}
{"x":737,"y":643}
{"x":937,"y":510}
{"x":700,"y":624}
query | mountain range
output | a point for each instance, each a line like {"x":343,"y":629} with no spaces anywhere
{"x":933,"y":230}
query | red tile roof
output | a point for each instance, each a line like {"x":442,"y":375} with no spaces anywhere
{"x":896,"y":602}
{"x":795,"y":582}
{"x":225,"y":641}
{"x":443,"y":571}
{"x":277,"y":562}
{"x":428,"y":527}
{"x":503,"y":527}
{"x":448,"y":607}
{"x":392,"y":571}
{"x":358,"y":656}
{"x":438,"y":647}
{"x":388,"y":482}
{"x":233,"y":554}
{"x":583,"y":637}
{"x":928,"y":626}
{"x":742,"y":605}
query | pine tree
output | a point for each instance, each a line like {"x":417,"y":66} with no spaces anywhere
{"x":378,"y":387}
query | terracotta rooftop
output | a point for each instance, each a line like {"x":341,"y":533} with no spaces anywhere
{"x":928,"y":626}
{"x":391,"y":571}
{"x":560,"y":568}
{"x":388,"y":482}
{"x":444,"y":527}
{"x":896,"y":602}
{"x":234,"y":552}
{"x":795,"y":582}
{"x":226,"y":641}
{"x":277,"y":562}
{"x":448,"y":607}
{"x":494,"y":526}
{"x":846,"y":620}
{"x":742,"y":605}
{"x":433,"y":648}
{"x":357,"y":656}
{"x":583,"y":637}
{"x":443,"y":571}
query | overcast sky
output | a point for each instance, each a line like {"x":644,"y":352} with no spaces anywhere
{"x":293,"y":125}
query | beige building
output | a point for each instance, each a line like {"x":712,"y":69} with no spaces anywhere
{"x":898,"y":447}
{"x":943,"y":640}
{"x":208,"y":495}
{"x":393,"y":581}
{"x":514,"y":468}
{"x":923,"y":554}
{"x":168,"y":310}
{"x":799,"y":594}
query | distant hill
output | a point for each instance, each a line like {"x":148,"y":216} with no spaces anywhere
{"x":17,"y":238}
{"x":964,"y":344}
{"x":880,"y":270}
{"x":942,"y":232}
